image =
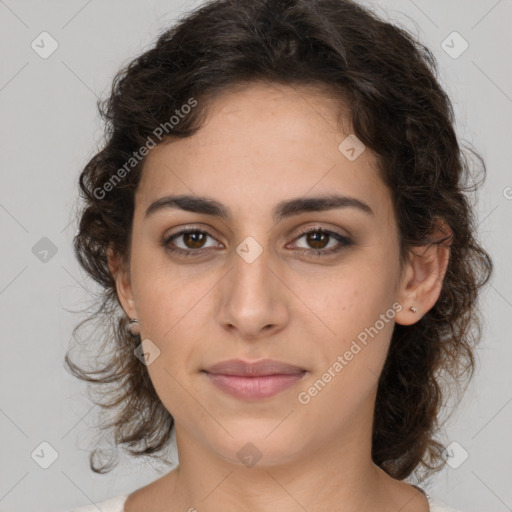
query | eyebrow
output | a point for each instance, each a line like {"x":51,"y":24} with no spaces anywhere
{"x":283,"y":210}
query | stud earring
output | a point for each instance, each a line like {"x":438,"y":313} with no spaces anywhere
{"x":133,"y":327}
{"x":413,"y":309}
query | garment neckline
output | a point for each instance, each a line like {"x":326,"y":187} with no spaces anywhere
{"x":423,"y":491}
{"x":125,"y":497}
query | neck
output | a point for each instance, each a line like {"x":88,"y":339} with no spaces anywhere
{"x":338,"y":476}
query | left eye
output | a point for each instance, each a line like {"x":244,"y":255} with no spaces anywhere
{"x":318,"y":239}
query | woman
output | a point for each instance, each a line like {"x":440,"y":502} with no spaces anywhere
{"x":279,"y":215}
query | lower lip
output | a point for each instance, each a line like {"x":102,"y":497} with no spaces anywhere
{"x":263,"y":386}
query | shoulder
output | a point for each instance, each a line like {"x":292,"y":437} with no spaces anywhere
{"x":439,"y":506}
{"x":114,"y":504}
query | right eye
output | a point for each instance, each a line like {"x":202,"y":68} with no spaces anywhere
{"x":193,"y":241}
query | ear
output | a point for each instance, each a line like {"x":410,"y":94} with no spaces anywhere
{"x":423,"y":277}
{"x":123,"y":283}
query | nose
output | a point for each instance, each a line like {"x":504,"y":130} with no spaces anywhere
{"x":253,"y":299}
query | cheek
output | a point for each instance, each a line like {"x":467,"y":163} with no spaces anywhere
{"x":348,"y":300}
{"x":349,"y":367}
{"x":172,"y":325}
{"x":165,"y":292}
{"x":171,"y":386}
{"x":354,"y":319}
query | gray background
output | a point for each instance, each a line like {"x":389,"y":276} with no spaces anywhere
{"x":49,"y":128}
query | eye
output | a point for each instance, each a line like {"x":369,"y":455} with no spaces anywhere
{"x":193,"y":240}
{"x":320,"y":238}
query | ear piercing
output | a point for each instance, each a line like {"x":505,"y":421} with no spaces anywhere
{"x":133,"y":327}
{"x":413,"y":309}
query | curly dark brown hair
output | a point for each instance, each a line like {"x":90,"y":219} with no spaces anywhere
{"x":397,"y":109}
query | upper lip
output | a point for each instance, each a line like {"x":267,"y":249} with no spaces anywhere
{"x":262,"y":367}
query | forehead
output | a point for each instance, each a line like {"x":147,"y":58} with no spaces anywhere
{"x":260,"y":144}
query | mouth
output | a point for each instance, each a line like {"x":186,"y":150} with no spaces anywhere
{"x":253,"y":381}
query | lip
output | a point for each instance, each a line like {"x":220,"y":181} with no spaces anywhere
{"x":253,"y":381}
{"x":243,"y":368}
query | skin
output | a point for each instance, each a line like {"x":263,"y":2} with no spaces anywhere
{"x":262,"y":144}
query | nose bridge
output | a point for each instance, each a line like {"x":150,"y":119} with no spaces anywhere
{"x":250,"y":280}
{"x":251,"y":265}
{"x":252,"y":299}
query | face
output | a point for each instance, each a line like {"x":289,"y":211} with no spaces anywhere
{"x":314,"y":289}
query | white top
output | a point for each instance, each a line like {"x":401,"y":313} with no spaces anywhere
{"x":116,"y":504}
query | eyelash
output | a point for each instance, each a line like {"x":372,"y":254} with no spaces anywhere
{"x":344,"y":242}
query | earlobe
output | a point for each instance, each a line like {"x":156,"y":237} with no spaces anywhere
{"x":123,"y":284}
{"x":423,"y":280}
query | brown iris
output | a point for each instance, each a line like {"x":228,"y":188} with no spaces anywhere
{"x":196,"y":237}
{"x":317,"y":237}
